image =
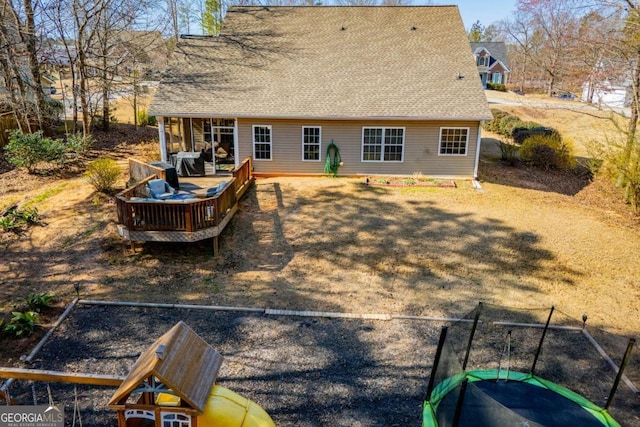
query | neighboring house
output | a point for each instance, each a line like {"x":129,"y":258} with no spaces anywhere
{"x":394,"y":88}
{"x":605,"y":93}
{"x":491,"y":60}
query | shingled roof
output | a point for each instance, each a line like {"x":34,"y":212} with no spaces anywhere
{"x":188,"y":366}
{"x":327,"y":62}
{"x":498,"y":50}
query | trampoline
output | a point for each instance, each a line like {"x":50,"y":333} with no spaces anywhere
{"x":462,"y":392}
{"x":490,"y":399}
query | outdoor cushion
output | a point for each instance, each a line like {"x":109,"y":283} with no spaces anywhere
{"x":160,"y":189}
{"x":211,"y":192}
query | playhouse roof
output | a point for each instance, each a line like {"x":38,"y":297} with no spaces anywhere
{"x":188,"y":366}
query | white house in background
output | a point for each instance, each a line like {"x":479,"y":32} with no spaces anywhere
{"x":604,"y":93}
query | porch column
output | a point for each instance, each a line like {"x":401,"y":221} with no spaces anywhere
{"x":475,"y":166}
{"x":161,"y":137}
{"x":236,"y":150}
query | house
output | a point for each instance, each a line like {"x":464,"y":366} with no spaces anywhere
{"x":606,"y":93}
{"x":393,"y":88}
{"x":491,"y":59}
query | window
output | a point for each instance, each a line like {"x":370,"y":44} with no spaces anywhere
{"x":382,"y":144}
{"x":496,"y":78}
{"x":483,"y":61}
{"x":262,"y":142}
{"x":175,"y":420}
{"x":311,"y":137}
{"x":453,"y":141}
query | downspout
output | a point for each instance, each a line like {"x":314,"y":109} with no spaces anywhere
{"x":475,"y":167}
{"x":162,"y":139}
{"x":236,"y":150}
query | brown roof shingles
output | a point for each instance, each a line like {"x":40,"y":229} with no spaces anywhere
{"x":327,"y":62}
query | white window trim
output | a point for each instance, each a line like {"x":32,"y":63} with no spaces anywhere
{"x":180,"y":418}
{"x":253,"y":142}
{"x":485,"y":61}
{"x":382,"y":160}
{"x":466,"y":151}
{"x":319,"y":143}
{"x":493,"y":77}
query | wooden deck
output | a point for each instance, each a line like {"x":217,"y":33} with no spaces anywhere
{"x":190,"y":220}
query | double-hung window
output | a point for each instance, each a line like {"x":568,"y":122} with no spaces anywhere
{"x":311,"y":142}
{"x":454,"y":141}
{"x":382,"y":144}
{"x":262,"y":142}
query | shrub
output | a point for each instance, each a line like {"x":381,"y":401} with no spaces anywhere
{"x":508,"y":152}
{"x":494,"y":125}
{"x":22,"y":323}
{"x":497,"y":86}
{"x":145,"y":120}
{"x":78,"y":144}
{"x":15,"y":220}
{"x":508,"y":123}
{"x":36,"y":302}
{"x":520,"y":134}
{"x":548,"y":152}
{"x":103,"y":173}
{"x":31,"y":150}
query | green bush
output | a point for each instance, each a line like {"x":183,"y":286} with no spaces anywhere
{"x":508,"y":124}
{"x":103,"y":173}
{"x":31,"y":150}
{"x":494,"y":125}
{"x":520,"y":134}
{"x":22,"y":323}
{"x":497,"y":86}
{"x":145,"y":120}
{"x":548,"y":152}
{"x":36,"y":302}
{"x":78,"y":144}
{"x":16,"y":220}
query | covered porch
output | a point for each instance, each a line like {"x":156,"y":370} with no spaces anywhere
{"x":199,"y":146}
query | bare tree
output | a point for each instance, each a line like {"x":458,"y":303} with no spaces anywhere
{"x":556,"y":22}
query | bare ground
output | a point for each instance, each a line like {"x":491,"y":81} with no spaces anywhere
{"x":527,"y":239}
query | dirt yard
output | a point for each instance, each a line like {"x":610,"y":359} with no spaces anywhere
{"x":527,"y":239}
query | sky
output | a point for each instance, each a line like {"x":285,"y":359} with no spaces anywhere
{"x":487,"y":12}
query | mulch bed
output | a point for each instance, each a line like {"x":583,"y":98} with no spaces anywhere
{"x":304,"y":371}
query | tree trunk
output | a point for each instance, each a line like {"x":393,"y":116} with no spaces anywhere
{"x":105,"y":93}
{"x":626,"y":161}
{"x":29,"y":38}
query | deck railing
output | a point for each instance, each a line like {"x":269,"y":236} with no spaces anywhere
{"x":175,"y":215}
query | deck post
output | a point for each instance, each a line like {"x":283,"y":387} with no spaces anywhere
{"x":215,"y":246}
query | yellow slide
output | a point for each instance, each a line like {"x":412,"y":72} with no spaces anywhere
{"x":228,"y":409}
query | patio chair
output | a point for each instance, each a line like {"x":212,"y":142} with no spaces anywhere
{"x":159,"y":189}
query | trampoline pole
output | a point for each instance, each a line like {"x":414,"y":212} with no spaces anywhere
{"x":459,"y":403}
{"x":436,"y":362}
{"x":544,"y":332}
{"x":473,"y":332}
{"x":625,"y":360}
